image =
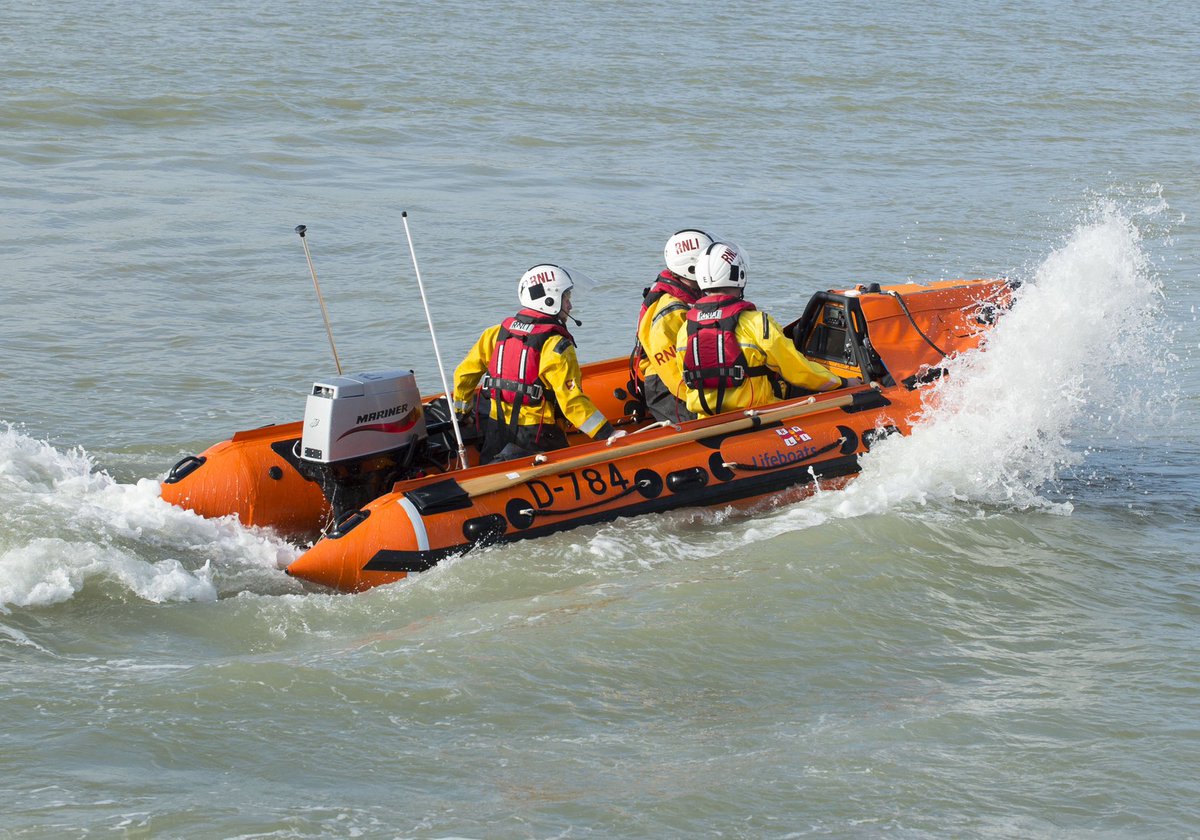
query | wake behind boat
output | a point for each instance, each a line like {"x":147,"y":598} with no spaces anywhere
{"x":376,"y":476}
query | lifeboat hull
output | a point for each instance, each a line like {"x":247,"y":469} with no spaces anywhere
{"x":793,"y":447}
{"x":252,"y":476}
{"x":894,"y":337}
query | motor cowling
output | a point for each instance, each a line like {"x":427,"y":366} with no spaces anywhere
{"x":362,"y":433}
{"x":362,"y":414}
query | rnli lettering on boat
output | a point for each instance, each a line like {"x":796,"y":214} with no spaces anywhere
{"x":395,"y":410}
{"x":685,"y":245}
{"x":777,"y":458}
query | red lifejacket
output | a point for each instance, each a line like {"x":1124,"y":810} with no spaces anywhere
{"x":714,"y":357}
{"x":665,"y":284}
{"x":513,"y":372}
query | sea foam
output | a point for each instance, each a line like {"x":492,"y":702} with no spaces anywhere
{"x":1072,"y":362}
{"x":68,"y":523}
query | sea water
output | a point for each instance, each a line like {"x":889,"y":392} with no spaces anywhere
{"x":991,"y":633}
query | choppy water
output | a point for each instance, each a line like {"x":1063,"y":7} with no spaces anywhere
{"x":992,"y":633}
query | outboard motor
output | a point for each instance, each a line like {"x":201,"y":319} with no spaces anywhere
{"x":362,"y":433}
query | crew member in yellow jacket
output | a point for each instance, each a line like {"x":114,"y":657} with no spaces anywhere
{"x":526,"y":371}
{"x":734,"y":355}
{"x":665,"y":304}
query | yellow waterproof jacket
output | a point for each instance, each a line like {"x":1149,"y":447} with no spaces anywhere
{"x":558,"y":373}
{"x":657,"y":332}
{"x":763,"y":343}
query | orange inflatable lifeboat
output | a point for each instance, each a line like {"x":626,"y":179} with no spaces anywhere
{"x":373,"y":474}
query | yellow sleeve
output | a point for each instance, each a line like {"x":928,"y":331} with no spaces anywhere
{"x":782,"y":355}
{"x":560,"y":372}
{"x":472,"y":369}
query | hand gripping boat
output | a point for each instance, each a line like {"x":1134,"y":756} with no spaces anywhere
{"x":372,"y":472}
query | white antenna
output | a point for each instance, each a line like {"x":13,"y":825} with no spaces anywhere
{"x":300,"y":229}
{"x":462,"y":452}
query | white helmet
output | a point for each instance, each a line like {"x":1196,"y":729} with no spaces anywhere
{"x":683,"y":249}
{"x":722,"y":264}
{"x":543,"y":286}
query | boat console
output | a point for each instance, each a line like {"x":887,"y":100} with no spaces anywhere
{"x":833,"y":331}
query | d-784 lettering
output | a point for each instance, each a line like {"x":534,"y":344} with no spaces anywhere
{"x":574,"y":485}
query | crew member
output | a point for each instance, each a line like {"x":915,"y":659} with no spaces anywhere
{"x":732,"y":354}
{"x":525,"y":376}
{"x":656,"y":364}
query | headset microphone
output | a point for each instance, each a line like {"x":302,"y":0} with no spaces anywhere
{"x":578,"y":323}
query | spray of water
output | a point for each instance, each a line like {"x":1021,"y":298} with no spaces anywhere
{"x":1079,"y":356}
{"x":69,"y":525}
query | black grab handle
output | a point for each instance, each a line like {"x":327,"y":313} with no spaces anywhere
{"x":183,"y":468}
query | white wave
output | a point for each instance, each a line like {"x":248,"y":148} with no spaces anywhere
{"x":68,"y":523}
{"x":49,"y":571}
{"x":1075,"y":359}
